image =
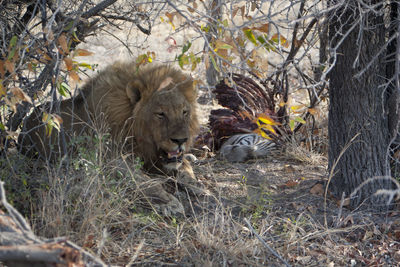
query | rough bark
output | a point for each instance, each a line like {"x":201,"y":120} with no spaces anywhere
{"x":357,"y":106}
{"x":215,"y":16}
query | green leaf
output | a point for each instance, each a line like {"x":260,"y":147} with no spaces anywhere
{"x":12,"y":47}
{"x":69,"y":26}
{"x":291,"y":124}
{"x":249,"y":34}
{"x":300,"y":120}
{"x":222,"y":45}
{"x":261,"y":39}
{"x":2,"y":127}
{"x":63,"y":89}
{"x":13,"y":41}
{"x":186,"y":47}
{"x":214,"y":62}
{"x":183,"y":60}
{"x":205,"y":28}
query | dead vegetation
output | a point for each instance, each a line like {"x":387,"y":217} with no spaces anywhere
{"x":97,"y":204}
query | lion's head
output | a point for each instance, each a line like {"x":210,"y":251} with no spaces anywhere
{"x":164,"y":115}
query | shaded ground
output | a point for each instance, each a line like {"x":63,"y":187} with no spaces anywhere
{"x":274,"y":195}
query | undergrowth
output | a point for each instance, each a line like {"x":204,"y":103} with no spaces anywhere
{"x":95,"y":200}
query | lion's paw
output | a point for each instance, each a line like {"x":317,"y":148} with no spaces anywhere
{"x":172,"y":208}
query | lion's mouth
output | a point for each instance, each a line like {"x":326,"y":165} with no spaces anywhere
{"x":172,"y":156}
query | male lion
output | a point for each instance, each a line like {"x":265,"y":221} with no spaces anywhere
{"x":150,"y":110}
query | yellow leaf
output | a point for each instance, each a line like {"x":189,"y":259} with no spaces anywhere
{"x":82,"y":53}
{"x":3,"y":90}
{"x":269,"y":128}
{"x":296,"y":107}
{"x":172,"y":25}
{"x":85,"y":65}
{"x":282,"y":103}
{"x":262,"y":133}
{"x":265,"y":119}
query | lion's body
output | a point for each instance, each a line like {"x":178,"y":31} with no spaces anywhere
{"x":151,"y":110}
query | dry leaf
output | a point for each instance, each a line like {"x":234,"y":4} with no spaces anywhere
{"x":288,"y":168}
{"x":62,"y":41}
{"x":11,"y":102}
{"x":82,"y":53}
{"x":263,"y":28}
{"x":12,"y":135}
{"x":312,"y":209}
{"x":170,"y":16}
{"x":253,"y":6}
{"x":57,"y":119}
{"x":313,"y":111}
{"x":297,"y":206}
{"x":20,"y":95}
{"x":74,"y":76}
{"x":291,"y":183}
{"x":68,"y":63}
{"x":318,"y":190}
{"x":2,"y":70}
{"x":9,"y":66}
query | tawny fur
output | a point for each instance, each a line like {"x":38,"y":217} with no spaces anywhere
{"x":126,"y":97}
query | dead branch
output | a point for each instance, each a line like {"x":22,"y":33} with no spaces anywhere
{"x":20,"y":247}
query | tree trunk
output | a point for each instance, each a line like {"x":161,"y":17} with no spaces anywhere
{"x":357,"y":105}
{"x":215,"y":13}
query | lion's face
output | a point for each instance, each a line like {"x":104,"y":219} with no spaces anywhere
{"x":166,"y":121}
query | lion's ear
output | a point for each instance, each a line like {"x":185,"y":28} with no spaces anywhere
{"x":133,"y":93}
{"x":164,"y":84}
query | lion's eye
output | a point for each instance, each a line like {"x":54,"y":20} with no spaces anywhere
{"x":160,"y":115}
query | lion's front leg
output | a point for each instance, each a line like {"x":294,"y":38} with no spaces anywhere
{"x":186,"y":177}
{"x":163,"y":201}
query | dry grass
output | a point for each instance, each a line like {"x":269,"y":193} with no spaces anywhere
{"x":96,"y":202}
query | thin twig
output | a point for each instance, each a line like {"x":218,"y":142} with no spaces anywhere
{"x":265,"y":244}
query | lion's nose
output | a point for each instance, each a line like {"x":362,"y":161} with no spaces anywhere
{"x":179,"y":141}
